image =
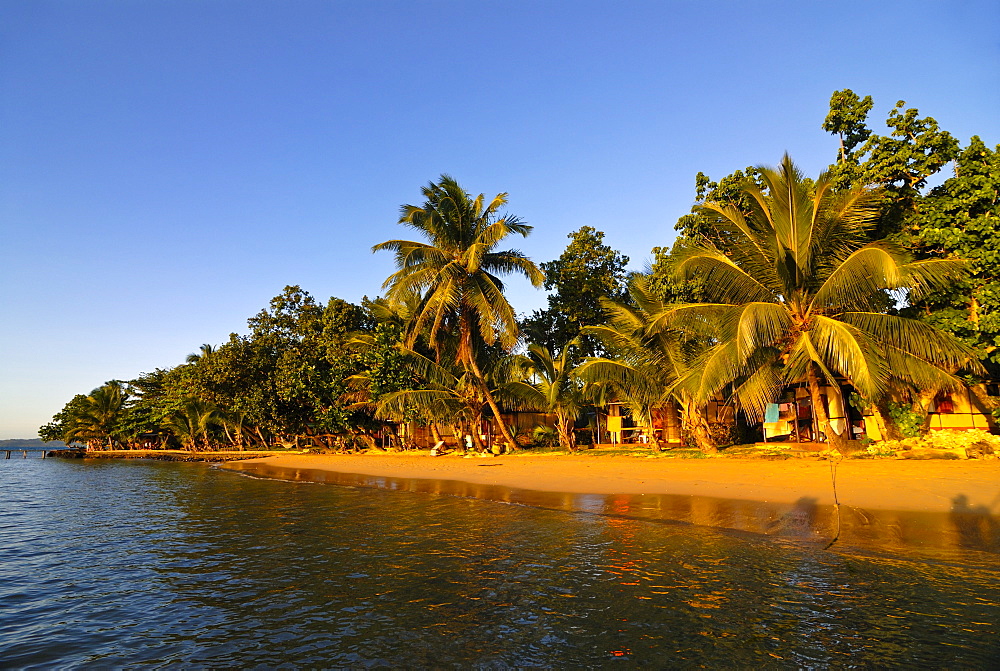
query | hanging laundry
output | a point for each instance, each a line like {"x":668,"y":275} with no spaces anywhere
{"x":771,"y":413}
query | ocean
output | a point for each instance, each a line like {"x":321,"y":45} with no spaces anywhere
{"x":110,"y":564}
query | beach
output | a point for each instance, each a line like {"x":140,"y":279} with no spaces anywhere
{"x":937,"y":486}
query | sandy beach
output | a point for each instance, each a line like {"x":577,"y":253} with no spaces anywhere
{"x":902,"y":485}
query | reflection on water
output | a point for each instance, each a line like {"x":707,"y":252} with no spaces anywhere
{"x":116,"y":564}
{"x":966,"y":528}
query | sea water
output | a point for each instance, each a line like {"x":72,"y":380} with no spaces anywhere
{"x":107,"y":564}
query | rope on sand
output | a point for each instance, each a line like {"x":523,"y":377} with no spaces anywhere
{"x":836,"y":501}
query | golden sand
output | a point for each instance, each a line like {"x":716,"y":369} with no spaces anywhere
{"x":926,"y":486}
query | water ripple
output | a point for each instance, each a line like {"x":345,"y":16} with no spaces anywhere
{"x":177,"y":565}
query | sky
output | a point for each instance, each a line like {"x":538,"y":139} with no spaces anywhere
{"x":168,"y":166}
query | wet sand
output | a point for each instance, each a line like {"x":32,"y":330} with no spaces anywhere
{"x":900,"y":485}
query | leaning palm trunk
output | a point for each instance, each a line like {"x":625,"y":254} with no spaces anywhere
{"x":882,"y":421}
{"x":498,"y":418}
{"x":836,"y":440}
{"x":922,"y":404}
{"x":886,"y":425}
{"x":565,"y":425}
{"x":695,"y":425}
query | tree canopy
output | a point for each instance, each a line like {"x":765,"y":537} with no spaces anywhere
{"x":882,"y":273}
{"x":586,"y":273}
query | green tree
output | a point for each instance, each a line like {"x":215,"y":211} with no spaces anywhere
{"x":901,"y":162}
{"x":192,"y":422}
{"x":58,"y":428}
{"x":551,"y":383}
{"x":651,"y":363}
{"x":847,"y":120}
{"x":445,"y":392}
{"x":94,"y":419}
{"x":961,"y":218}
{"x":955,"y":219}
{"x":204,"y":352}
{"x":586,"y":272}
{"x":697,"y":225}
{"x":456,"y":273}
{"x":286,"y":378}
{"x":798,"y":297}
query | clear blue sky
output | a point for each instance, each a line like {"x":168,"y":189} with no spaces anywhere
{"x":168,"y":166}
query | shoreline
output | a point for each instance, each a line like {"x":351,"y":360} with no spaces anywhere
{"x":932,"y":486}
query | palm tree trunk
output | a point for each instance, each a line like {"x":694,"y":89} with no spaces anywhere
{"x":694,"y":423}
{"x":477,"y":442}
{"x":474,"y":367}
{"x":922,"y":404}
{"x":458,"y":433}
{"x":565,"y":426}
{"x":703,"y":437}
{"x":886,"y":426}
{"x":835,"y":440}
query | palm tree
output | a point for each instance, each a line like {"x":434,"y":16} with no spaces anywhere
{"x":651,"y":364}
{"x":236,"y":425}
{"x":97,"y":418}
{"x":798,"y":294}
{"x":205,"y":350}
{"x":450,"y":394}
{"x":456,"y":273}
{"x":192,"y":421}
{"x":552,"y":385}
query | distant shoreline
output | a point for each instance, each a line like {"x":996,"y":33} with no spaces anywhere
{"x":31,"y":444}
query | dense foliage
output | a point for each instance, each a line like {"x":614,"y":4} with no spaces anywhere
{"x":586,"y":273}
{"x":865,"y":277}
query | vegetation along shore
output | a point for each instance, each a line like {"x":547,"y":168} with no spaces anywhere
{"x":851,"y":314}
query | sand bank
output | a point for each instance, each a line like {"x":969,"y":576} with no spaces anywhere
{"x":919,"y":486}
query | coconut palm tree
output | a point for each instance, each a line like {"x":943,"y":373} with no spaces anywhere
{"x":236,"y":425}
{"x":798,"y":294}
{"x":450,"y":395}
{"x":551,"y":384}
{"x":192,"y":421}
{"x":651,"y":364}
{"x":456,"y":274}
{"x":96,"y":420}
{"x":204,"y":352}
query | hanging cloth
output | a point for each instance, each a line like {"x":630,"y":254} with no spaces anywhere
{"x":771,"y":413}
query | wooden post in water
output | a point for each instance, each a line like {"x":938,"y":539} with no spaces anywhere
{"x":8,"y":454}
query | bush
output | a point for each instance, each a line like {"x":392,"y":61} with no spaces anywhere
{"x":909,"y":421}
{"x":545,"y":436}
